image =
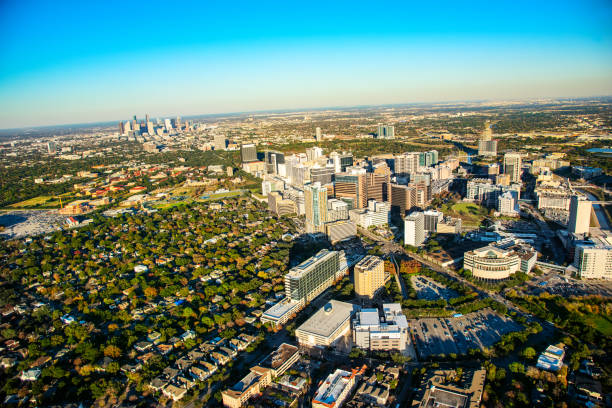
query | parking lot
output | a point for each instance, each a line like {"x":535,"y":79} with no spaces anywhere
{"x":436,"y":336}
{"x":19,"y":224}
{"x":566,"y":286}
{"x":429,"y":289}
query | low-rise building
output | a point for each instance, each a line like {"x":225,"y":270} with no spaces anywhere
{"x":389,"y":332}
{"x":328,"y":325}
{"x":551,"y":359}
{"x":252,"y":384}
{"x":436,"y":391}
{"x":334,"y":390}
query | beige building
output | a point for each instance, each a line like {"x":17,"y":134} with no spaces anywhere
{"x":491,"y":263}
{"x":580,"y":215}
{"x":251,"y":385}
{"x":437,"y":391}
{"x":369,"y":276}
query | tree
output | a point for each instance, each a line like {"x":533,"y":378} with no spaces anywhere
{"x":529,"y":353}
{"x":112,"y":351}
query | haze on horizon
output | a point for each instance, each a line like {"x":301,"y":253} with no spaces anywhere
{"x":79,"y":62}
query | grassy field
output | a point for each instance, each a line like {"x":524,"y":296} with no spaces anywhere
{"x":602,"y":324}
{"x":470,"y":213}
{"x":43,"y":202}
{"x":221,"y":195}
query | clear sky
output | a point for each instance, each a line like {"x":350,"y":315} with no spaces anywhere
{"x":83,"y":61}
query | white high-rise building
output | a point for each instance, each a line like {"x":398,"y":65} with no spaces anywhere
{"x":167,"y":125}
{"x":580,"y":215}
{"x":414,"y":229}
{"x":593,"y":261}
{"x":507,"y":204}
{"x":318,"y":135}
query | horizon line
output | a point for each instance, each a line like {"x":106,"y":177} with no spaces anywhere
{"x":306,"y":109}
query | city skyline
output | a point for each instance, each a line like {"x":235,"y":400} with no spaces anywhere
{"x":206,"y":59}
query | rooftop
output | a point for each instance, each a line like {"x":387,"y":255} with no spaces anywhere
{"x":279,"y":356}
{"x":327,"y":319}
{"x":298,"y":270}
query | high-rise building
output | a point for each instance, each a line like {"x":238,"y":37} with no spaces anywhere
{"x":486,"y":145}
{"x":369,"y":276}
{"x":309,"y":279}
{"x":147,"y":118}
{"x":167,"y":125}
{"x":219,"y":142}
{"x":403,"y":198}
{"x":507,"y":204}
{"x":318,"y":135}
{"x":127,"y":126}
{"x":351,"y":188}
{"x":427,"y":159}
{"x":385,"y":132}
{"x":579,"y":215}
{"x":323,"y":175}
{"x":313,"y":153}
{"x":431,"y":220}
{"x":414,"y":229}
{"x":51,"y":147}
{"x":121,"y":128}
{"x":406,"y":164}
{"x":150,"y":129}
{"x":315,"y":201}
{"x":248,"y":152}
{"x":512,"y":166}
{"x":273,"y":160}
{"x":378,"y":183}
{"x":593,"y":261}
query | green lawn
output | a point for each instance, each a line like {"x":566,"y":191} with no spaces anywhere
{"x":602,"y":323}
{"x":470,"y":213}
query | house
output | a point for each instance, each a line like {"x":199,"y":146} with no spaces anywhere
{"x":30,"y":375}
{"x":219,"y":358}
{"x":143,"y":346}
{"x":189,"y":334}
{"x":157,"y":384}
{"x":154,"y":337}
{"x":173,"y":392}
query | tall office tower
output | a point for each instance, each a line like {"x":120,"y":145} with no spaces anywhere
{"x":147,"y":118}
{"x":352,"y":189}
{"x":385,"y":132}
{"x":248,"y":152}
{"x":313,"y":153}
{"x":150,"y":129}
{"x":369,"y":276}
{"x":135,"y":119}
{"x":378,"y":182}
{"x":121,"y":128}
{"x":310,"y":278}
{"x":512,"y":166}
{"x":431,"y":220}
{"x":428,"y":159}
{"x":323,"y":175}
{"x":178,"y":121}
{"x":414,"y":228}
{"x":127,"y":126}
{"x":219,"y":142}
{"x":593,"y":261}
{"x":487,"y":133}
{"x":51,"y":147}
{"x":167,"y":125}
{"x":315,"y":202}
{"x":486,"y":145}
{"x":273,"y":160}
{"x":406,"y":164}
{"x":403,"y":198}
{"x":579,"y":215}
{"x":318,"y":135}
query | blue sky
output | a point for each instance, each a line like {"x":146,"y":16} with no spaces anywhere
{"x":73,"y":62}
